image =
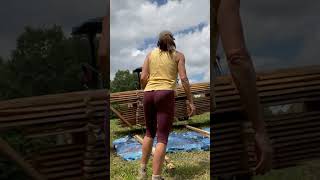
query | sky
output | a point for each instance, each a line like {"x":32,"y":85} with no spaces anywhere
{"x":135,"y":26}
{"x":281,"y":34}
{"x":16,"y":14}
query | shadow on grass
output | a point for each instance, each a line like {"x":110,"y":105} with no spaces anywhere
{"x":306,"y":171}
{"x":189,"y":171}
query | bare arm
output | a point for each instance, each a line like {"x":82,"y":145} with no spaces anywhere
{"x":239,"y":61}
{"x":185,"y":81}
{"x":244,"y":76}
{"x":145,"y":72}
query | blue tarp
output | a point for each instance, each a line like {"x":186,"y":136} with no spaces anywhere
{"x":129,"y":149}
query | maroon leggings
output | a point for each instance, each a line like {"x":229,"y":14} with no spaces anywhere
{"x":159,"y":113}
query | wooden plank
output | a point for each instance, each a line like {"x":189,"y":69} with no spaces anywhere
{"x":120,"y":116}
{"x":53,"y":99}
{"x":77,"y":117}
{"x":58,"y":175}
{"x":76,"y":159}
{"x":203,"y":132}
{"x":57,"y":169}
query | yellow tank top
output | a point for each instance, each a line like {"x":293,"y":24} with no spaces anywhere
{"x":163,"y":71}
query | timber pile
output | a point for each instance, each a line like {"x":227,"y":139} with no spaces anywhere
{"x":77,"y":114}
{"x":129,"y":103}
{"x":54,"y":114}
{"x":290,"y":99}
{"x":71,"y":162}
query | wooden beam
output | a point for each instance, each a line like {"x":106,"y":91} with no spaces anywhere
{"x":13,"y":155}
{"x":203,"y":132}
{"x":120,"y":116}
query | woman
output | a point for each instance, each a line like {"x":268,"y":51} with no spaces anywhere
{"x":227,"y":22}
{"x":158,"y":79}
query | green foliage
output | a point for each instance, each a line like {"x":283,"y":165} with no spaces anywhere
{"x":124,"y":81}
{"x":44,"y":62}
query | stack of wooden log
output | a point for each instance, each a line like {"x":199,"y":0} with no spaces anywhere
{"x":290,"y":99}
{"x":73,"y":161}
{"x":54,"y":114}
{"x":130,"y":103}
{"x":79,"y":115}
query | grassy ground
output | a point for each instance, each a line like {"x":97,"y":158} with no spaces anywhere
{"x":196,"y":165}
{"x":307,"y":171}
{"x":191,"y":165}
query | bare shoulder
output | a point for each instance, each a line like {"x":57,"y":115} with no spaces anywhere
{"x":180,"y":56}
{"x":148,"y":55}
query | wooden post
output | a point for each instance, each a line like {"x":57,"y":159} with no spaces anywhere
{"x":247,"y":138}
{"x":104,"y":50}
{"x":120,"y":116}
{"x":213,"y":43}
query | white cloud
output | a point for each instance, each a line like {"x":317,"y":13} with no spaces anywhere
{"x":134,"y":21}
{"x":196,"y":48}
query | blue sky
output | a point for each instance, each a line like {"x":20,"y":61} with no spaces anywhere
{"x":135,"y":26}
{"x":275,"y":39}
{"x":197,"y":77}
{"x":279,"y":48}
{"x":160,"y":2}
{"x":152,"y":41}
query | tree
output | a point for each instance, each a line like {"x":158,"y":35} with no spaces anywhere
{"x":45,"y":62}
{"x":124,"y":81}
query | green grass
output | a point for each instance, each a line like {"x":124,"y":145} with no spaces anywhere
{"x":195,"y":165}
{"x":306,"y":171}
{"x":188,"y":165}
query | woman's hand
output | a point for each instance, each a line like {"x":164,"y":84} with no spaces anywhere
{"x":192,"y":109}
{"x":264,"y":153}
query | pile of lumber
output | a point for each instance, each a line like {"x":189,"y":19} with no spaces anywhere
{"x":77,"y":114}
{"x":54,"y":114}
{"x":290,"y":99}
{"x":71,"y":162}
{"x":130,"y":103}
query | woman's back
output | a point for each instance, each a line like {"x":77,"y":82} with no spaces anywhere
{"x":163,"y":70}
